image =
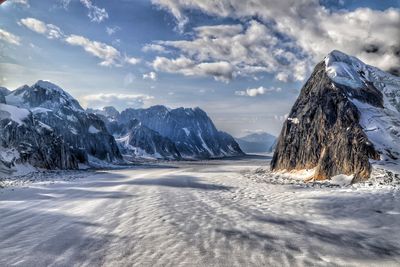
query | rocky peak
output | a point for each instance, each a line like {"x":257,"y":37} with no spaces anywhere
{"x":344,"y":118}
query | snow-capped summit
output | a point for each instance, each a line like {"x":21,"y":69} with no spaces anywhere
{"x":346,"y":118}
{"x":43,"y":94}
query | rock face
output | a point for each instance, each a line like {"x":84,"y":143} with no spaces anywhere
{"x":54,"y":107}
{"x":191,"y":130}
{"x":346,"y":117}
{"x":257,"y":142}
{"x":27,"y":143}
{"x":136,"y":139}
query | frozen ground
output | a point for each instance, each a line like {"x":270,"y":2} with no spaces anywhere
{"x":215,"y":213}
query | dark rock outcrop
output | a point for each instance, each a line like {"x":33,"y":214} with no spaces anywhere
{"x":24,"y":140}
{"x":323,"y":130}
{"x":57,"y":109}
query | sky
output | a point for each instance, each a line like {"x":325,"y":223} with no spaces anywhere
{"x":243,"y":62}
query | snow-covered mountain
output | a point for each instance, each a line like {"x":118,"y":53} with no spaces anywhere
{"x":191,"y":130}
{"x":346,"y":118}
{"x":58,"y":110}
{"x":140,"y":141}
{"x":27,"y":144}
{"x":257,"y":142}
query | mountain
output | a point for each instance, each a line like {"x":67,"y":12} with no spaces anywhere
{"x":346,"y":118}
{"x":140,"y":141}
{"x":27,"y":144}
{"x":3,"y":92}
{"x":54,"y":107}
{"x":257,"y":142}
{"x":191,"y":130}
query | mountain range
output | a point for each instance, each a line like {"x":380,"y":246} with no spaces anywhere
{"x":260,"y":142}
{"x":42,"y":126}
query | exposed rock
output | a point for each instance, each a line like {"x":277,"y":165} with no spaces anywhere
{"x":26,"y":142}
{"x":140,"y":141}
{"x":325,"y":129}
{"x":54,"y":107}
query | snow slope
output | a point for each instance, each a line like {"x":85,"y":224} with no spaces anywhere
{"x":382,"y":125}
{"x":196,"y":214}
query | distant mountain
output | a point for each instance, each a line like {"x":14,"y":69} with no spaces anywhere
{"x":26,"y":144}
{"x":191,"y":130}
{"x":346,"y":117}
{"x":3,"y":92}
{"x":51,"y":105}
{"x":257,"y":142}
{"x":140,"y":141}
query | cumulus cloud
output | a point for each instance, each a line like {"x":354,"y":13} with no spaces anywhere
{"x":221,"y":70}
{"x":245,"y":50}
{"x":109,"y":55}
{"x":150,"y":76}
{"x":313,"y":30}
{"x":252,"y":92}
{"x":49,"y":30}
{"x":118,"y":100}
{"x":9,"y":37}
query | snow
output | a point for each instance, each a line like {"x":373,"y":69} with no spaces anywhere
{"x":212,"y":213}
{"x":294,"y":120}
{"x":13,"y":113}
{"x":342,"y":179}
{"x":382,"y":126}
{"x":93,"y":130}
{"x":204,"y":145}
{"x":187,"y":132}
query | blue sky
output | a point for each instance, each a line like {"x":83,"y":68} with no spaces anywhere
{"x":243,"y":62}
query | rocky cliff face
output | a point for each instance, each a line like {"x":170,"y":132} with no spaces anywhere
{"x":191,"y":130}
{"x":54,"y":107}
{"x":26,"y":143}
{"x":140,"y":141}
{"x":345,"y":118}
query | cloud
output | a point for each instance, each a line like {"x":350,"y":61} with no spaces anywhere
{"x":109,"y":55}
{"x":154,"y":48}
{"x":245,"y":50}
{"x":112,"y":30}
{"x":95,"y":14}
{"x":150,"y":76}
{"x":221,"y":71}
{"x":49,"y":30}
{"x":252,"y":92}
{"x":9,"y":37}
{"x":311,"y":29}
{"x":19,"y":2}
{"x":118,"y":100}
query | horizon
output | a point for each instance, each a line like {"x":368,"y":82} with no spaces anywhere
{"x":241,"y":66}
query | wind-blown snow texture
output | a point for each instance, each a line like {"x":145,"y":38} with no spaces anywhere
{"x":196,"y":214}
{"x":346,"y":117}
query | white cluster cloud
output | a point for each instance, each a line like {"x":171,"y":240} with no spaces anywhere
{"x":312,"y":30}
{"x":252,"y":92}
{"x":112,"y":30}
{"x":9,"y":37}
{"x":150,"y":76}
{"x":109,"y":55}
{"x":154,"y":48}
{"x":220,"y":70}
{"x":49,"y":30}
{"x":95,"y":14}
{"x":118,"y":100}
